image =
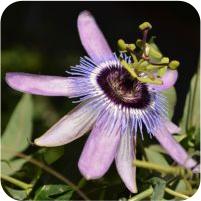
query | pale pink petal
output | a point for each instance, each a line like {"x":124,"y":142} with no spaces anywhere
{"x":171,"y":127}
{"x":173,"y":148}
{"x":100,"y":149}
{"x":92,"y":38}
{"x":124,"y":159}
{"x":70,"y":127}
{"x":39,"y":84}
{"x":196,"y":169}
{"x":169,"y":79}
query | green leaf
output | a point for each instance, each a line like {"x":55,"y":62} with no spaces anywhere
{"x":156,"y":157}
{"x":20,"y":58}
{"x":9,"y":167}
{"x":54,"y":192}
{"x":17,"y":135}
{"x":191,"y":113}
{"x":52,"y":154}
{"x":197,"y":137}
{"x":159,"y":188}
{"x":182,"y":186}
{"x":45,"y":111}
{"x":179,"y":137}
{"x":171,"y":96}
{"x":19,"y":129}
{"x":65,"y":196}
{"x":17,"y":194}
{"x":157,"y":148}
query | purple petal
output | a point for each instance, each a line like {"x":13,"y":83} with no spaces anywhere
{"x":92,"y":38}
{"x":39,"y":84}
{"x":100,"y":149}
{"x":173,"y":148}
{"x":171,"y":127}
{"x":169,"y":79}
{"x":70,"y":127}
{"x":124,"y":158}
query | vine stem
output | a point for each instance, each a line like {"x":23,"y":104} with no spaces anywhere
{"x":16,"y":182}
{"x":142,"y":195}
{"x":49,"y":170}
{"x":164,"y":169}
{"x":193,"y":97}
{"x":176,"y":194}
{"x":150,"y":190}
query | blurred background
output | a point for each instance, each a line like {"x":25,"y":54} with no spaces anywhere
{"x":42,"y":38}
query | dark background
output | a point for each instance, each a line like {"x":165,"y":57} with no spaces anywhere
{"x":42,"y":38}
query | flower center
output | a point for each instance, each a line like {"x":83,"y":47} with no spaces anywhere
{"x":122,"y":89}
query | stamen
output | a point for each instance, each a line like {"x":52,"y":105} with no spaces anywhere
{"x":148,"y":64}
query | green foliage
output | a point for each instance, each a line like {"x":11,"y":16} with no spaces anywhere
{"x":16,"y":139}
{"x":191,"y":113}
{"x":17,"y":135}
{"x":18,"y":131}
{"x":16,"y":194}
{"x":20,"y":58}
{"x":190,"y":122}
{"x":155,"y":157}
{"x":9,"y":167}
{"x":53,"y":154}
{"x":183,"y":186}
{"x":159,"y":188}
{"x":54,"y":192}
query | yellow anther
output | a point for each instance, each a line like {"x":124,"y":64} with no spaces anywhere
{"x":174,"y":64}
{"x":121,"y":44}
{"x":165,"y":60}
{"x":124,"y":46}
{"x":131,"y":46}
{"x":145,"y":25}
{"x":161,"y":72}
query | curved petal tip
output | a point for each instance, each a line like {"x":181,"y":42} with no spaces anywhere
{"x":124,"y":159}
{"x":10,"y":79}
{"x":84,"y":14}
{"x":174,"y":149}
{"x":39,"y":84}
{"x":92,"y":38}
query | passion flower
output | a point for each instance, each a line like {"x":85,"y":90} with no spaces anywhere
{"x":114,"y":105}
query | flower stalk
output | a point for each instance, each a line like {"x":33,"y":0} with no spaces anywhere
{"x":150,"y":190}
{"x":175,"y":193}
{"x":16,"y":182}
{"x":144,"y":194}
{"x":177,"y":170}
